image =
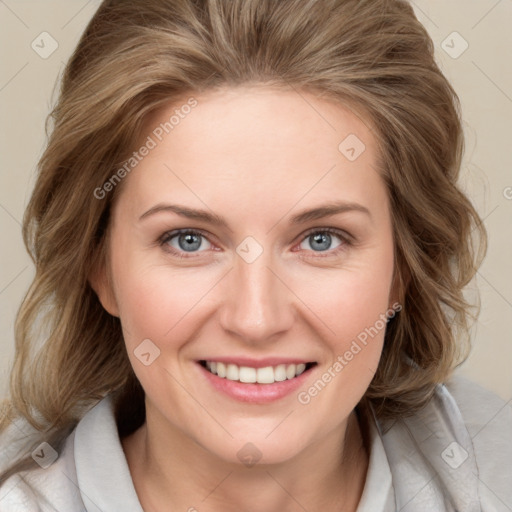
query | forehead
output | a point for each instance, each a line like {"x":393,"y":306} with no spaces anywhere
{"x":252,"y":115}
{"x":247,"y":143}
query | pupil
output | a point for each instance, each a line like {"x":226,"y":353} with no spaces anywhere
{"x":322,"y":237}
{"x":190,"y":244}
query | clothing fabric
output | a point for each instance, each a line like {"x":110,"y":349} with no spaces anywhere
{"x":455,"y":455}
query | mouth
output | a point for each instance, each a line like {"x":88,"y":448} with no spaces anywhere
{"x":257,"y":375}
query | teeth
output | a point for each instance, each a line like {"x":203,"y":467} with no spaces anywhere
{"x":247,"y":374}
{"x":280,"y":372}
{"x":266,"y":375}
{"x":221,"y":370}
{"x":232,"y":372}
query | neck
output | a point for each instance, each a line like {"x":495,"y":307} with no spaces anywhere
{"x":328,"y":475}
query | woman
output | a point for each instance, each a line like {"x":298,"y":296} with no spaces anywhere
{"x":250,"y":251}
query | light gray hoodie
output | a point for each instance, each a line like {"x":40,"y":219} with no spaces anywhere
{"x":453,"y":456}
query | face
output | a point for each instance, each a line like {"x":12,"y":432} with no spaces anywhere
{"x":214,"y":259}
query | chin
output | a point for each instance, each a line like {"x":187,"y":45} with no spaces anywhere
{"x":247,"y":451}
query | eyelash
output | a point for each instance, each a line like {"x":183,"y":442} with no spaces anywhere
{"x":346,"y":241}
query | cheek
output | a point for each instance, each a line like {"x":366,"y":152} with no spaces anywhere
{"x":349,"y":300}
{"x":351,"y":307}
{"x":151,"y":302}
{"x":157,"y":305}
{"x":157,"y":302}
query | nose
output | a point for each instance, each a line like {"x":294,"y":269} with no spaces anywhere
{"x":258,"y":305}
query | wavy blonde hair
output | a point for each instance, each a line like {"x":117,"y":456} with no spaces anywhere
{"x":136,"y":56}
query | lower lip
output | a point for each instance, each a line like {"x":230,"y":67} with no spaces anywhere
{"x":253,"y":392}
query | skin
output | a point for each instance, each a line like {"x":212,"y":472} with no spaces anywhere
{"x":255,"y":156}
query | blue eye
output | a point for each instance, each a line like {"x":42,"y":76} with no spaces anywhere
{"x":183,"y":243}
{"x":320,"y":240}
{"x":187,"y":241}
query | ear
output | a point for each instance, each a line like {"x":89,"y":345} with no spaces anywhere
{"x":101,"y":283}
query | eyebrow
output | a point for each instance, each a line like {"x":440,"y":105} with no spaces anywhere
{"x":315,"y":213}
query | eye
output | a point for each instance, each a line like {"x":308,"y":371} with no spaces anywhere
{"x":321,"y":240}
{"x":183,"y":241}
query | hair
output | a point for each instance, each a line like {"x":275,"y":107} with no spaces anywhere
{"x":373,"y":56}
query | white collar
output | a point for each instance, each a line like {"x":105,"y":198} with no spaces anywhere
{"x":103,"y":475}
{"x":105,"y":482}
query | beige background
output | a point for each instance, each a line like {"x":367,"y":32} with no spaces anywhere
{"x":482,"y":76}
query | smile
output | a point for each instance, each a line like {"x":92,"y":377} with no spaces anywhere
{"x":247,"y":374}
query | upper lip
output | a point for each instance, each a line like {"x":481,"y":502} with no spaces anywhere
{"x":257,"y":363}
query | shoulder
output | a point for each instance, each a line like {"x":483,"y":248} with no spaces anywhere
{"x":488,"y":420}
{"x":481,"y":409}
{"x":17,"y":496}
{"x":456,"y":450}
{"x":48,"y":485}
{"x":90,"y":469}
